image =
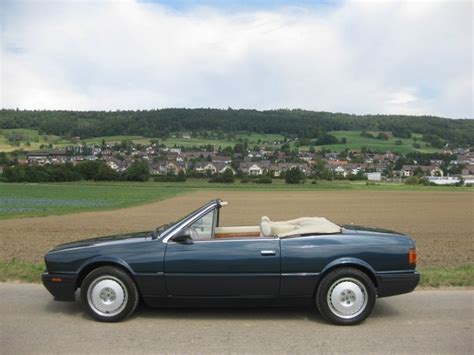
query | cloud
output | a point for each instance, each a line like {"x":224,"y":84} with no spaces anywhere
{"x":394,"y":57}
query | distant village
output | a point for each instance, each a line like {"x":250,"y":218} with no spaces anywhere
{"x":258,"y":161}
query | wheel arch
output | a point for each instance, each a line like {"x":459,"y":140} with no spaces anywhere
{"x":92,"y":264}
{"x":348,"y":262}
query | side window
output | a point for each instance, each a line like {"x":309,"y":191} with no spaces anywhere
{"x":203,"y":228}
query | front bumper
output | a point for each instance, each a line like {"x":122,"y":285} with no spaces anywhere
{"x":61,"y":286}
{"x":391,"y":284}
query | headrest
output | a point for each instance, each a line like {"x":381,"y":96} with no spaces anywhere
{"x":265,"y":227}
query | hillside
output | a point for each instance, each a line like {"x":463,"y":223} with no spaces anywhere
{"x":291,"y":123}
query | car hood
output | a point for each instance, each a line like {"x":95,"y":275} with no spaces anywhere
{"x":104,"y":241}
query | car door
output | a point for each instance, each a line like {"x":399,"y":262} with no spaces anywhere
{"x":233,"y":267}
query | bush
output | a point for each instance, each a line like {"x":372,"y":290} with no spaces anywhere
{"x":294,"y":176}
{"x":366,"y":134}
{"x":401,"y":132}
{"x":48,"y":173}
{"x":170,"y":177}
{"x":88,"y":169}
{"x":326,"y":139}
{"x":106,"y":173}
{"x":359,"y":176}
{"x":460,"y":182}
{"x":226,"y":177}
{"x":264,"y":180}
{"x":412,"y":180}
{"x":137,"y":171}
{"x":245,"y":180}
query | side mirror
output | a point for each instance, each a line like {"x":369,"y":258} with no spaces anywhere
{"x":183,"y":237}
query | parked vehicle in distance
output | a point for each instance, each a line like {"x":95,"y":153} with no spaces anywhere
{"x":196,"y":262}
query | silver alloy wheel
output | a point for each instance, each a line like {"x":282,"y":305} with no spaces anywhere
{"x":107,"y":296}
{"x":347,"y":298}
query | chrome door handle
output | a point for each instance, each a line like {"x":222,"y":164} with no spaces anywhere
{"x":268,"y":252}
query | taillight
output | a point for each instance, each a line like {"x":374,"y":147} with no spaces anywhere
{"x":412,"y":256}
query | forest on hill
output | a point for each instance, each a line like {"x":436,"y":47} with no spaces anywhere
{"x":297,"y":123}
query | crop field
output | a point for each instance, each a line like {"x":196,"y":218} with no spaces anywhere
{"x":21,"y":200}
{"x":28,"y":139}
{"x":30,"y":200}
{"x":32,"y":140}
{"x":117,"y":139}
{"x":355,"y":141}
{"x":252,"y":138}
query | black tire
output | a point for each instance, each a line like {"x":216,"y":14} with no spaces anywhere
{"x":109,"y":294}
{"x":353,"y":293}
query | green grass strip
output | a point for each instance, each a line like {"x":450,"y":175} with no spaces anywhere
{"x":461,"y":276}
{"x":16,"y":270}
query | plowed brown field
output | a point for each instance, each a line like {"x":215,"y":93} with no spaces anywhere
{"x":442,"y":223}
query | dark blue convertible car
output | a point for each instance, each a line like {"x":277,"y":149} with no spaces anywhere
{"x":339,"y":269}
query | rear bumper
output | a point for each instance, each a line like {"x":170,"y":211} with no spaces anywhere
{"x":61,"y":286}
{"x":392,"y":284}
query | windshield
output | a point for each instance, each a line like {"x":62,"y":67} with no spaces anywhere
{"x":159,"y":230}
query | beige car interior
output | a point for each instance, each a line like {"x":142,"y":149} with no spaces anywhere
{"x":281,"y":229}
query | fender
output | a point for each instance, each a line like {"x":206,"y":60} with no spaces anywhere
{"x":347,"y":261}
{"x":105,"y":259}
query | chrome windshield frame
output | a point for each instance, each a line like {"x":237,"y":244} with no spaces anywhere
{"x":194,"y":216}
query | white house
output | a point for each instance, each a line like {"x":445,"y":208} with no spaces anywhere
{"x":221,"y":171}
{"x":374,"y":176}
{"x":255,"y":170}
{"x":206,"y":167}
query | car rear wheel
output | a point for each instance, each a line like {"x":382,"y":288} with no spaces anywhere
{"x":109,"y":294}
{"x":346,"y":296}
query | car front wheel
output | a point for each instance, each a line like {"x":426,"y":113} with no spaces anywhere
{"x":346,"y":296}
{"x":109,"y":294}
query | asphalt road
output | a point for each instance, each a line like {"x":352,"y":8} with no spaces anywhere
{"x":420,"y":322}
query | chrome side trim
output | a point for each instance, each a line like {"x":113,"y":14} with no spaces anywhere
{"x":230,"y":240}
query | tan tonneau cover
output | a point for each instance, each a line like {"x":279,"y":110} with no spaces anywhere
{"x":304,"y":225}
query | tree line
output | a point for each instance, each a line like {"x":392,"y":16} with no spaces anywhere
{"x":87,"y":170}
{"x":298,"y":123}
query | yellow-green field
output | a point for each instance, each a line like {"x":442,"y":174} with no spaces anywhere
{"x":355,"y":142}
{"x":31,"y":140}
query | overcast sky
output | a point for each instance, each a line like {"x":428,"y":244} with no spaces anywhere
{"x":355,"y":57}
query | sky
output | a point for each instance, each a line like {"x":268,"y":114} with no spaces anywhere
{"x":340,"y":56}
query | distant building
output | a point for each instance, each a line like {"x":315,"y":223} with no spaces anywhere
{"x":255,"y":170}
{"x":446,"y":180}
{"x":205,"y":167}
{"x":374,"y":176}
{"x":431,"y":170}
{"x":47,"y":157}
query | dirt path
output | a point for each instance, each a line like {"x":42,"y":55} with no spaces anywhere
{"x":440,"y":222}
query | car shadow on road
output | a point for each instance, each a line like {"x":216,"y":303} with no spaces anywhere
{"x":75,"y":309}
{"x":240,"y":313}
{"x":382,"y":309}
{"x":66,"y":308}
